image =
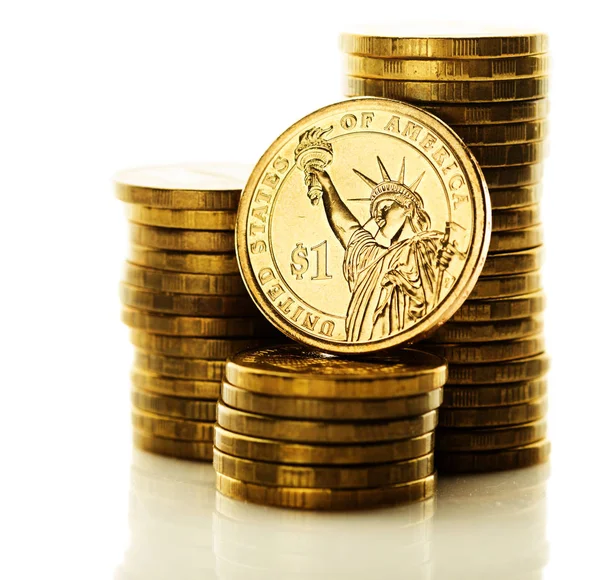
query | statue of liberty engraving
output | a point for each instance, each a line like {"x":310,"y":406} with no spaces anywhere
{"x":394,"y":263}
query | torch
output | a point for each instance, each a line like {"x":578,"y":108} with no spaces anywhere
{"x":313,"y":151}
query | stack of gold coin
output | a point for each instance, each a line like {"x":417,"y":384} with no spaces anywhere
{"x":184,"y":299}
{"x":304,"y":429}
{"x":492,"y":90}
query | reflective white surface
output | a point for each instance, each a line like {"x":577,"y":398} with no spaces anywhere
{"x":489,"y":526}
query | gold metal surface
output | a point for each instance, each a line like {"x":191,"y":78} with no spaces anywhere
{"x":494,"y":395}
{"x":479,"y":461}
{"x":515,"y":176}
{"x":510,"y":154}
{"x":295,"y":371}
{"x":304,"y":431}
{"x":170,"y":427}
{"x":194,"y":389}
{"x":511,"y":371}
{"x":211,"y":186}
{"x":335,"y":268}
{"x":195,"y":450}
{"x":509,"y":285}
{"x":181,"y":218}
{"x":330,"y":409}
{"x":494,"y":416}
{"x":449,"y":439}
{"x":502,"y":133}
{"x":192,"y":263}
{"x":310,"y":476}
{"x":181,"y":240}
{"x":173,"y":406}
{"x":515,"y":197}
{"x":514,"y":240}
{"x":177,"y":367}
{"x":513,"y":262}
{"x":467,"y":332}
{"x":501,"y":308}
{"x":303,"y":453}
{"x":326,"y":499}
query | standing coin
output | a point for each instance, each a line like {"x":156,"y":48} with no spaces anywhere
{"x":489,"y":439}
{"x":170,"y":427}
{"x":315,"y":283}
{"x":178,"y":367}
{"x":330,"y":409}
{"x":229,"y":285}
{"x":187,"y":346}
{"x":162,"y":385}
{"x":338,"y":477}
{"x":323,"y":431}
{"x":157,"y":323}
{"x":174,"y":406}
{"x":504,"y":286}
{"x":294,"y":371}
{"x":326,"y":499}
{"x":181,"y":218}
{"x":187,"y":186}
{"x":501,"y":308}
{"x":181,"y":240}
{"x":514,"y":240}
{"x":483,"y":461}
{"x":494,"y":416}
{"x":513,"y":262}
{"x":303,"y":453}
{"x":198,"y":450}
{"x":195,"y":263}
{"x":494,"y":395}
{"x":466,"y":332}
{"x":511,"y":371}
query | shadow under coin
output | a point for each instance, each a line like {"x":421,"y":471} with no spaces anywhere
{"x":491,"y":526}
{"x":170,"y":520}
{"x":252,"y":542}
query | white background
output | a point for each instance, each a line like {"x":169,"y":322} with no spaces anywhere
{"x":91,"y":87}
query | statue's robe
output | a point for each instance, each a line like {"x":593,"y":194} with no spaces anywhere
{"x":392,"y":288}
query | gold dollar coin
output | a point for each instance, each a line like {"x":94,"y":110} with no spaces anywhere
{"x":178,"y":367}
{"x":448,"y":91}
{"x":510,"y":285}
{"x":514,"y":240}
{"x":508,"y":155}
{"x":187,"y":346}
{"x":488,"y":352}
{"x":294,"y":371}
{"x":449,"y":439}
{"x":503,"y":133}
{"x":191,"y":304}
{"x":513,"y":262}
{"x":480,"y":461}
{"x":493,"y":416}
{"x":338,"y":477}
{"x":511,"y":371}
{"x":515,"y":176}
{"x":302,"y":453}
{"x":183,"y":262}
{"x":330,"y":409}
{"x":150,"y":279}
{"x":489,"y":113}
{"x":457,"y":44}
{"x":304,"y":431}
{"x":197,"y":450}
{"x":466,"y":332}
{"x":195,"y":389}
{"x":337,"y":284}
{"x":326,"y":499}
{"x":173,"y":406}
{"x":181,"y":240}
{"x":515,"y":197}
{"x":171,"y":427}
{"x":157,"y":323}
{"x":446,"y":70}
{"x":501,"y":308}
{"x":494,"y":395}
{"x":188,"y":219}
{"x":214,"y":186}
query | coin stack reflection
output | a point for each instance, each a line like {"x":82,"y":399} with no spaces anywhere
{"x":302,"y":429}
{"x":184,"y":300}
{"x":492,"y":90}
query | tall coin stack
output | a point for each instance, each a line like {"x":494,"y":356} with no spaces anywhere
{"x":303,"y":429}
{"x":492,"y":90}
{"x":184,"y":300}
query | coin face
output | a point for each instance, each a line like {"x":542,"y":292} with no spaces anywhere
{"x":364,"y":226}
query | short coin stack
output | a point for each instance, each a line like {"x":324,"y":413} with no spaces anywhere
{"x":492,"y":91}
{"x":184,"y":299}
{"x":303,"y":429}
